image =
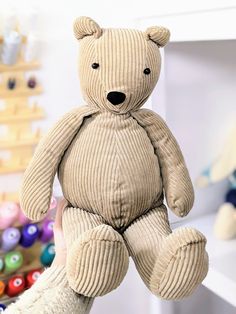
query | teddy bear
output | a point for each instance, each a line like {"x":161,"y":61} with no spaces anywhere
{"x":116,"y":162}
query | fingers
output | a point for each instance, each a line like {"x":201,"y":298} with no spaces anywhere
{"x":58,"y":219}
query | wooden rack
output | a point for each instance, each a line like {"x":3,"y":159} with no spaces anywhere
{"x":17,"y":116}
{"x":17,"y":143}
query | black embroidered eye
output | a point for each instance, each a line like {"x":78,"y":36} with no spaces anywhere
{"x":95,"y":65}
{"x":147,"y":71}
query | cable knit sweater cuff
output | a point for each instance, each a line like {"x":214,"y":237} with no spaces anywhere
{"x":51,"y":294}
{"x":55,"y":275}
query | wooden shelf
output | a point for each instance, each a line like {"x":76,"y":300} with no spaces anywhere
{"x":9,"y":197}
{"x":4,"y":144}
{"x":6,"y":168}
{"x":28,"y":116}
{"x":20,"y":66}
{"x":21,"y":92}
{"x":19,"y":141}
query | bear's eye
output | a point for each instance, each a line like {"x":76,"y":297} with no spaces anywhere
{"x":147,"y":71}
{"x":95,"y":65}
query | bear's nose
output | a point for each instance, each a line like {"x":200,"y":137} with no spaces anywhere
{"x":116,"y":98}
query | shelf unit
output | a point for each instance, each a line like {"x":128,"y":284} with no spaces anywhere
{"x":17,"y":144}
{"x":17,"y":115}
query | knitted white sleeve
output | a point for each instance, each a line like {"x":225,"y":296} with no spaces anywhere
{"x":51,"y":294}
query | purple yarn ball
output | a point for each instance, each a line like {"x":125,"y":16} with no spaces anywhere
{"x":10,"y":239}
{"x":29,"y":235}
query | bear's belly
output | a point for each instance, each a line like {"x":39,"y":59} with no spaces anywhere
{"x":110,"y":169}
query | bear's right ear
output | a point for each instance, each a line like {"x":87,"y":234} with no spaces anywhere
{"x":158,"y":34}
{"x":85,"y":26}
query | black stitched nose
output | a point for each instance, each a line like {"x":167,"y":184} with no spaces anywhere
{"x":116,"y":98}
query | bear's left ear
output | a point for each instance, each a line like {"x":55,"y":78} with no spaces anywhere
{"x":85,"y":26}
{"x":160,"y":35}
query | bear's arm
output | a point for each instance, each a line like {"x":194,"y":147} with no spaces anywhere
{"x":176,"y":180}
{"x":36,"y":189}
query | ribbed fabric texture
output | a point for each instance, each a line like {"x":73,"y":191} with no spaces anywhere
{"x":97,"y":256}
{"x":171,"y":265}
{"x":176,"y":181}
{"x":159,"y":35}
{"x":51,"y":294}
{"x":36,"y":189}
{"x":115,"y":163}
{"x":110,"y":169}
{"x":84,"y":26}
{"x":122,"y":56}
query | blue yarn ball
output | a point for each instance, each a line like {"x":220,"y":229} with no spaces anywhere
{"x":231,"y":197}
{"x":2,"y":307}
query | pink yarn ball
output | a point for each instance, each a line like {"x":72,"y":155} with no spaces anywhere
{"x":22,"y":218}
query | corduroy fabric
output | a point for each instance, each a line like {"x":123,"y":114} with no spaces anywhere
{"x":84,"y":26}
{"x":97,"y":256}
{"x":171,"y":265}
{"x":36,"y":189}
{"x":176,"y":181}
{"x":110,"y":169}
{"x":122,"y":56}
{"x":159,"y":35}
{"x":115,"y":163}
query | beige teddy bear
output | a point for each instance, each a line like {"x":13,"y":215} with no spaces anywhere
{"x":115,"y":161}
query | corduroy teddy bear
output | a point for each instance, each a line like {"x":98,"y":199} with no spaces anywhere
{"x":115,"y":163}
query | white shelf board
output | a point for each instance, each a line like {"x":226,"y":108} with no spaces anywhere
{"x":221,"y":278}
{"x":216,"y":23}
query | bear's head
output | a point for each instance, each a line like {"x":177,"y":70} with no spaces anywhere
{"x":118,"y":68}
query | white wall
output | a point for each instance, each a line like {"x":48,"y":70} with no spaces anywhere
{"x":200,"y":107}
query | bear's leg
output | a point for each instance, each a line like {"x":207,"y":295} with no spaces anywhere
{"x":97,"y":258}
{"x":171,"y":264}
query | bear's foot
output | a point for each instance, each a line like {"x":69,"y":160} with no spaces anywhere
{"x":181,"y":265}
{"x":97,"y":262}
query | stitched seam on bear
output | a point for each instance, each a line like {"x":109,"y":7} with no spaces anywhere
{"x":100,"y":240}
{"x":189,"y":243}
{"x":145,"y":213}
{"x":174,"y":257}
{"x":119,"y":172}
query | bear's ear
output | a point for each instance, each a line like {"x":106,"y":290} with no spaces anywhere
{"x":160,"y":35}
{"x":85,"y":26}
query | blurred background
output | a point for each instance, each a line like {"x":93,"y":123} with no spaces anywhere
{"x":196,"y":95}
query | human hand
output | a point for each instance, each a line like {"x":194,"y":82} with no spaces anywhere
{"x":60,"y":243}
